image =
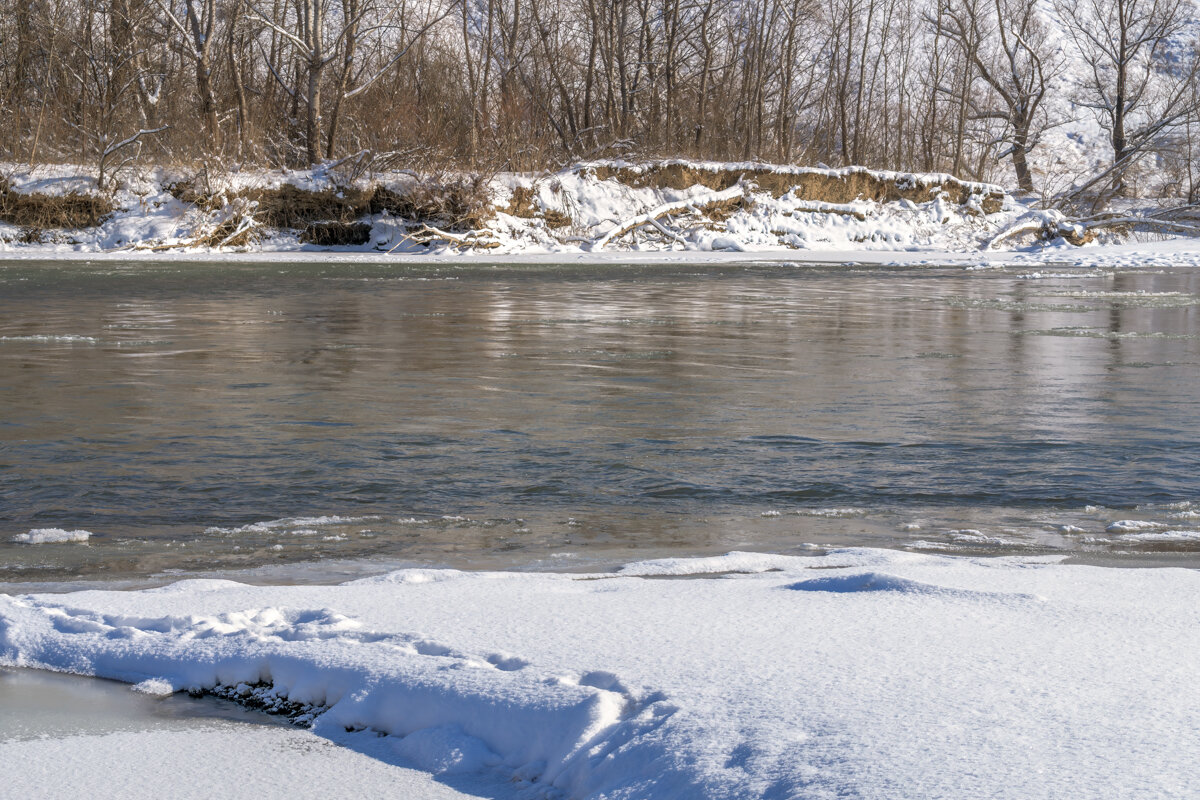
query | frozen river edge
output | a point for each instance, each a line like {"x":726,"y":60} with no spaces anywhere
{"x":1178,"y":252}
{"x":862,"y":672}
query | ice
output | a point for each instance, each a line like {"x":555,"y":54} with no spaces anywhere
{"x":51,"y":536}
{"x":832,"y":512}
{"x":155,"y":687}
{"x":761,"y":676}
{"x":299,"y":526}
{"x":1127,"y":525}
{"x":1162,"y":536}
{"x":50,"y":338}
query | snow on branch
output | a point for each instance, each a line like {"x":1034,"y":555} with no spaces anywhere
{"x":651,"y":218}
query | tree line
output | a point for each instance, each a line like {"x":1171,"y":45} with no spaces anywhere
{"x":969,"y":87}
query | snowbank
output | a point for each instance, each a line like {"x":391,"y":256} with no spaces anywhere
{"x":604,"y":210}
{"x":589,"y":208}
{"x":859,"y":673}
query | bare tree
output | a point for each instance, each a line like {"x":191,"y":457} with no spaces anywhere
{"x":200,"y":17}
{"x":1134,"y":94}
{"x":1010,"y":51}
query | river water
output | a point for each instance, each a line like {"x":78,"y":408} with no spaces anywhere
{"x":201,"y":417}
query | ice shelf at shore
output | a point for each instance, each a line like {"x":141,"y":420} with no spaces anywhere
{"x":862,"y":673}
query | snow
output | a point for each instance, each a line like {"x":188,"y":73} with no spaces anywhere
{"x":64,"y":737}
{"x":206,"y":762}
{"x":293,"y":525}
{"x":1127,"y":525}
{"x":860,"y":672}
{"x":51,"y":536}
{"x":155,"y":687}
{"x":601,"y":215}
{"x":1162,"y":536}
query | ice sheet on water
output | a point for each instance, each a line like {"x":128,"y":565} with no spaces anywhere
{"x":837,"y":513}
{"x":51,"y":536}
{"x":1162,"y":536}
{"x":295,"y":525}
{"x":1128,"y":525}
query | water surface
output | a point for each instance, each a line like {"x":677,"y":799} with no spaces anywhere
{"x":216,"y":416}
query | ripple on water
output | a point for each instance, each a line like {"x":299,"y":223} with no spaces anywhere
{"x":681,"y":408}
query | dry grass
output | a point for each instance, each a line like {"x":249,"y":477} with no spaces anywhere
{"x":334,"y":234}
{"x":453,"y":201}
{"x":291,"y":207}
{"x":722,"y":210}
{"x":187,"y":191}
{"x":817,"y":185}
{"x":39,"y":212}
{"x":524,"y":204}
{"x":557,"y":219}
{"x":231,"y":233}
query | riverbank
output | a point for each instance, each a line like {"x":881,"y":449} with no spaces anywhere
{"x":865,"y":672}
{"x":595,"y":210}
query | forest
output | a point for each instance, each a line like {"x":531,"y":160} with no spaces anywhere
{"x":982,"y":89}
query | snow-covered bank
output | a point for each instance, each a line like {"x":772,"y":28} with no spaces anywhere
{"x":860,"y":673}
{"x":650,"y":211}
{"x":592,"y":208}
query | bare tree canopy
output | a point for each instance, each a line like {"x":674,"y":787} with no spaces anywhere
{"x":964,"y":86}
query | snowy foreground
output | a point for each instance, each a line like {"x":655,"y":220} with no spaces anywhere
{"x":862,"y":673}
{"x":64,"y":738}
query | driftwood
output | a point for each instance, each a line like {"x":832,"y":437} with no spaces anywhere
{"x":1154,"y":224}
{"x":1040,"y":226}
{"x":218,"y":237}
{"x":843,"y":209}
{"x":1082,"y":231}
{"x":427,"y":234}
{"x":651,"y":218}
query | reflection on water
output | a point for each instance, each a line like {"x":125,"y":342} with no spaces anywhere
{"x":199,"y":417}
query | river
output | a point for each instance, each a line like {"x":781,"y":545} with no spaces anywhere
{"x":194,"y":418}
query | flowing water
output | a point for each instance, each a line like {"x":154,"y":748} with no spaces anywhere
{"x":220,"y":417}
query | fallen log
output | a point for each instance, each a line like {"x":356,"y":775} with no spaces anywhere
{"x":651,"y":217}
{"x":427,"y":234}
{"x":1046,"y":225}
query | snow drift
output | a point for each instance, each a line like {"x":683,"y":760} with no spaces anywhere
{"x":860,"y":673}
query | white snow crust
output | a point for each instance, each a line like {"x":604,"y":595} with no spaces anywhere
{"x":860,"y":673}
{"x":208,"y":761}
